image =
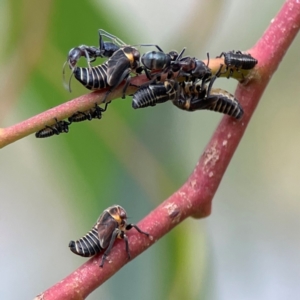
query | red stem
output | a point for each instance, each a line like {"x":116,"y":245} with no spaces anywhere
{"x":195,"y":196}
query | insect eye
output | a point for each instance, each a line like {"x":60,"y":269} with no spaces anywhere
{"x":123,"y":215}
{"x":173,"y":55}
{"x":136,"y":54}
{"x":73,"y":56}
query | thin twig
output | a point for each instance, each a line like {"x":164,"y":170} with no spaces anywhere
{"x":83,"y":103}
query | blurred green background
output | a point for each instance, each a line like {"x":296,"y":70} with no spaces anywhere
{"x":53,"y":190}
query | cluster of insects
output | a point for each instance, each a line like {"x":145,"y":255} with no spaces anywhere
{"x":188,"y":82}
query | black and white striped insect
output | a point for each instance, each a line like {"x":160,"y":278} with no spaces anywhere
{"x":94,"y":78}
{"x":93,"y":113}
{"x":236,"y":61}
{"x":56,"y":129}
{"x":193,"y":97}
{"x":111,"y":73}
{"x":111,"y":224}
{"x":105,"y":49}
{"x":152,"y":94}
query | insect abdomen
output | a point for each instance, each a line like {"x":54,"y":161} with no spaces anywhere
{"x":149,"y":96}
{"x":88,"y":245}
{"x":94,"y":78}
{"x":226,"y":104}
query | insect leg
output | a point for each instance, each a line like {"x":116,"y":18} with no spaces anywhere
{"x":222,"y":54}
{"x":111,"y":36}
{"x":129,"y":226}
{"x":126,"y":246}
{"x":151,"y":45}
{"x":108,"y":249}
